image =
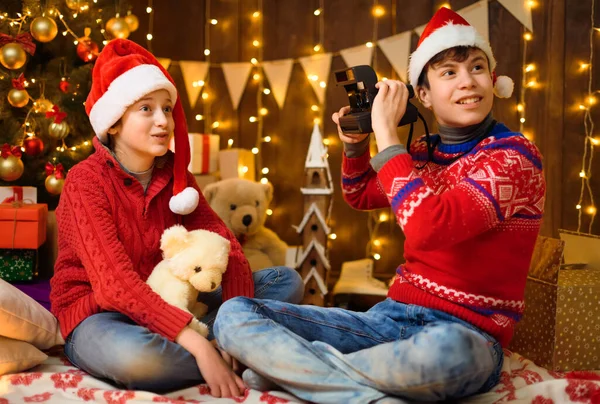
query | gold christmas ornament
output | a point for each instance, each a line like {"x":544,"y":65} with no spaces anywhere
{"x":42,"y":105}
{"x":12,"y":56}
{"x":133,"y":22}
{"x":54,"y":185}
{"x":118,"y":27}
{"x":18,"y":98}
{"x":43,"y":29}
{"x":11,"y":168}
{"x":59,"y":130}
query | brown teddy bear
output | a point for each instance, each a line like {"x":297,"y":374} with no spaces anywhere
{"x":242,"y":205}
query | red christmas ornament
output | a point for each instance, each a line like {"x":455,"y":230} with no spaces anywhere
{"x":87,"y":49}
{"x":64,"y":86}
{"x":33,"y":146}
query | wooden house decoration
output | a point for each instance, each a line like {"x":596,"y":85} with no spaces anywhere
{"x":313,"y":262}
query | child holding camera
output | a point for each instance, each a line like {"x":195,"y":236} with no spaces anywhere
{"x":470,"y":202}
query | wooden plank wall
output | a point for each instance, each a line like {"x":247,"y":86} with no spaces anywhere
{"x":291,"y":30}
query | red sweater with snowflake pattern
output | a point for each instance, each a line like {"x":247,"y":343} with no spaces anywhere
{"x":109,"y":233}
{"x":470,"y":223}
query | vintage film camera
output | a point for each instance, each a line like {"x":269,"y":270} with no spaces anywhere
{"x":359,"y":82}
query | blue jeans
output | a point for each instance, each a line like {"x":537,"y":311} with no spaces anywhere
{"x":331,"y":355}
{"x":110,"y":346}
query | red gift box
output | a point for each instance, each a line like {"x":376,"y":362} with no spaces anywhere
{"x":23,"y":225}
{"x":204,"y":151}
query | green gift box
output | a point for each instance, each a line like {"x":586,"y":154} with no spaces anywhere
{"x":18,"y":265}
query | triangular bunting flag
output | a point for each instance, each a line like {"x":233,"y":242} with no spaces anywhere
{"x":477,"y":15}
{"x":278,"y":72}
{"x":164,"y":62}
{"x":521,"y":10}
{"x":317,"y":68}
{"x":192,"y":73}
{"x":397,"y":49}
{"x":357,"y":55}
{"x":236,"y":77}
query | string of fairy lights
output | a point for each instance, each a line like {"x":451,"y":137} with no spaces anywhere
{"x":589,"y":140}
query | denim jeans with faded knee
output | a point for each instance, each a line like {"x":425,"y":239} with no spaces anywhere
{"x":331,"y":355}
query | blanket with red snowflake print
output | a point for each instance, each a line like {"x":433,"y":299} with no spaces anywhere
{"x":56,"y":381}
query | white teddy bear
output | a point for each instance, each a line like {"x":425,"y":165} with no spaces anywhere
{"x":194,"y":261}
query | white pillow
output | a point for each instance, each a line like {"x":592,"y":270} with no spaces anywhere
{"x":24,"y":319}
{"x":18,"y":356}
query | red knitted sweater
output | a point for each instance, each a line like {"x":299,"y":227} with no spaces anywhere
{"x":109,"y":242}
{"x":471,"y":218}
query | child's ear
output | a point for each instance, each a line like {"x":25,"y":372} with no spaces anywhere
{"x":424,"y":96}
{"x":114,"y":130}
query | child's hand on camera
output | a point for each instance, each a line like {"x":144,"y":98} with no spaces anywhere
{"x":388,"y":108}
{"x":346,"y":137}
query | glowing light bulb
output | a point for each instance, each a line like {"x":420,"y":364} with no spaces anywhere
{"x":591,"y":210}
{"x":378,"y":11}
{"x":254,"y":61}
{"x":256,"y":43}
{"x":527,"y":36}
{"x":520,"y":107}
{"x":383,"y":217}
{"x":369,"y":44}
{"x":326,"y":142}
{"x":216,"y":124}
{"x":317,"y":47}
{"x":377,"y":256}
{"x":252,"y":119}
{"x":318,"y":11}
{"x":323,"y":84}
{"x":269,"y":212}
{"x":266,"y":91}
{"x":377,"y":243}
{"x":148,"y":10}
{"x":265,"y":170}
{"x":264,"y":181}
{"x":267,"y":139}
{"x":256,"y":14}
{"x":230,"y":142}
{"x":149,"y":37}
{"x":530,"y":68}
{"x":333,"y":236}
{"x":207,"y":52}
{"x":199,"y":117}
{"x":255,"y":150}
{"x":214,"y":21}
{"x":582,"y":174}
{"x":264,"y":111}
{"x":314,"y":108}
{"x":578,"y":207}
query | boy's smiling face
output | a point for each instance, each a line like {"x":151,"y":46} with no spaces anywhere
{"x":460,"y":93}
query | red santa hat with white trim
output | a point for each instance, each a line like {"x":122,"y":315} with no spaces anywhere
{"x":124,"y":72}
{"x":446,"y":30}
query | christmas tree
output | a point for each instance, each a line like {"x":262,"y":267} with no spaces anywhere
{"x":47,"y":51}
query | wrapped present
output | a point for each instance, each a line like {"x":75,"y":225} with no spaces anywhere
{"x":560,"y":329}
{"x":18,"y":194}
{"x":204,"y":151}
{"x":18,"y":265}
{"x":38,"y":290}
{"x":237,"y":163}
{"x":23,"y":225}
{"x":204,"y":179}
